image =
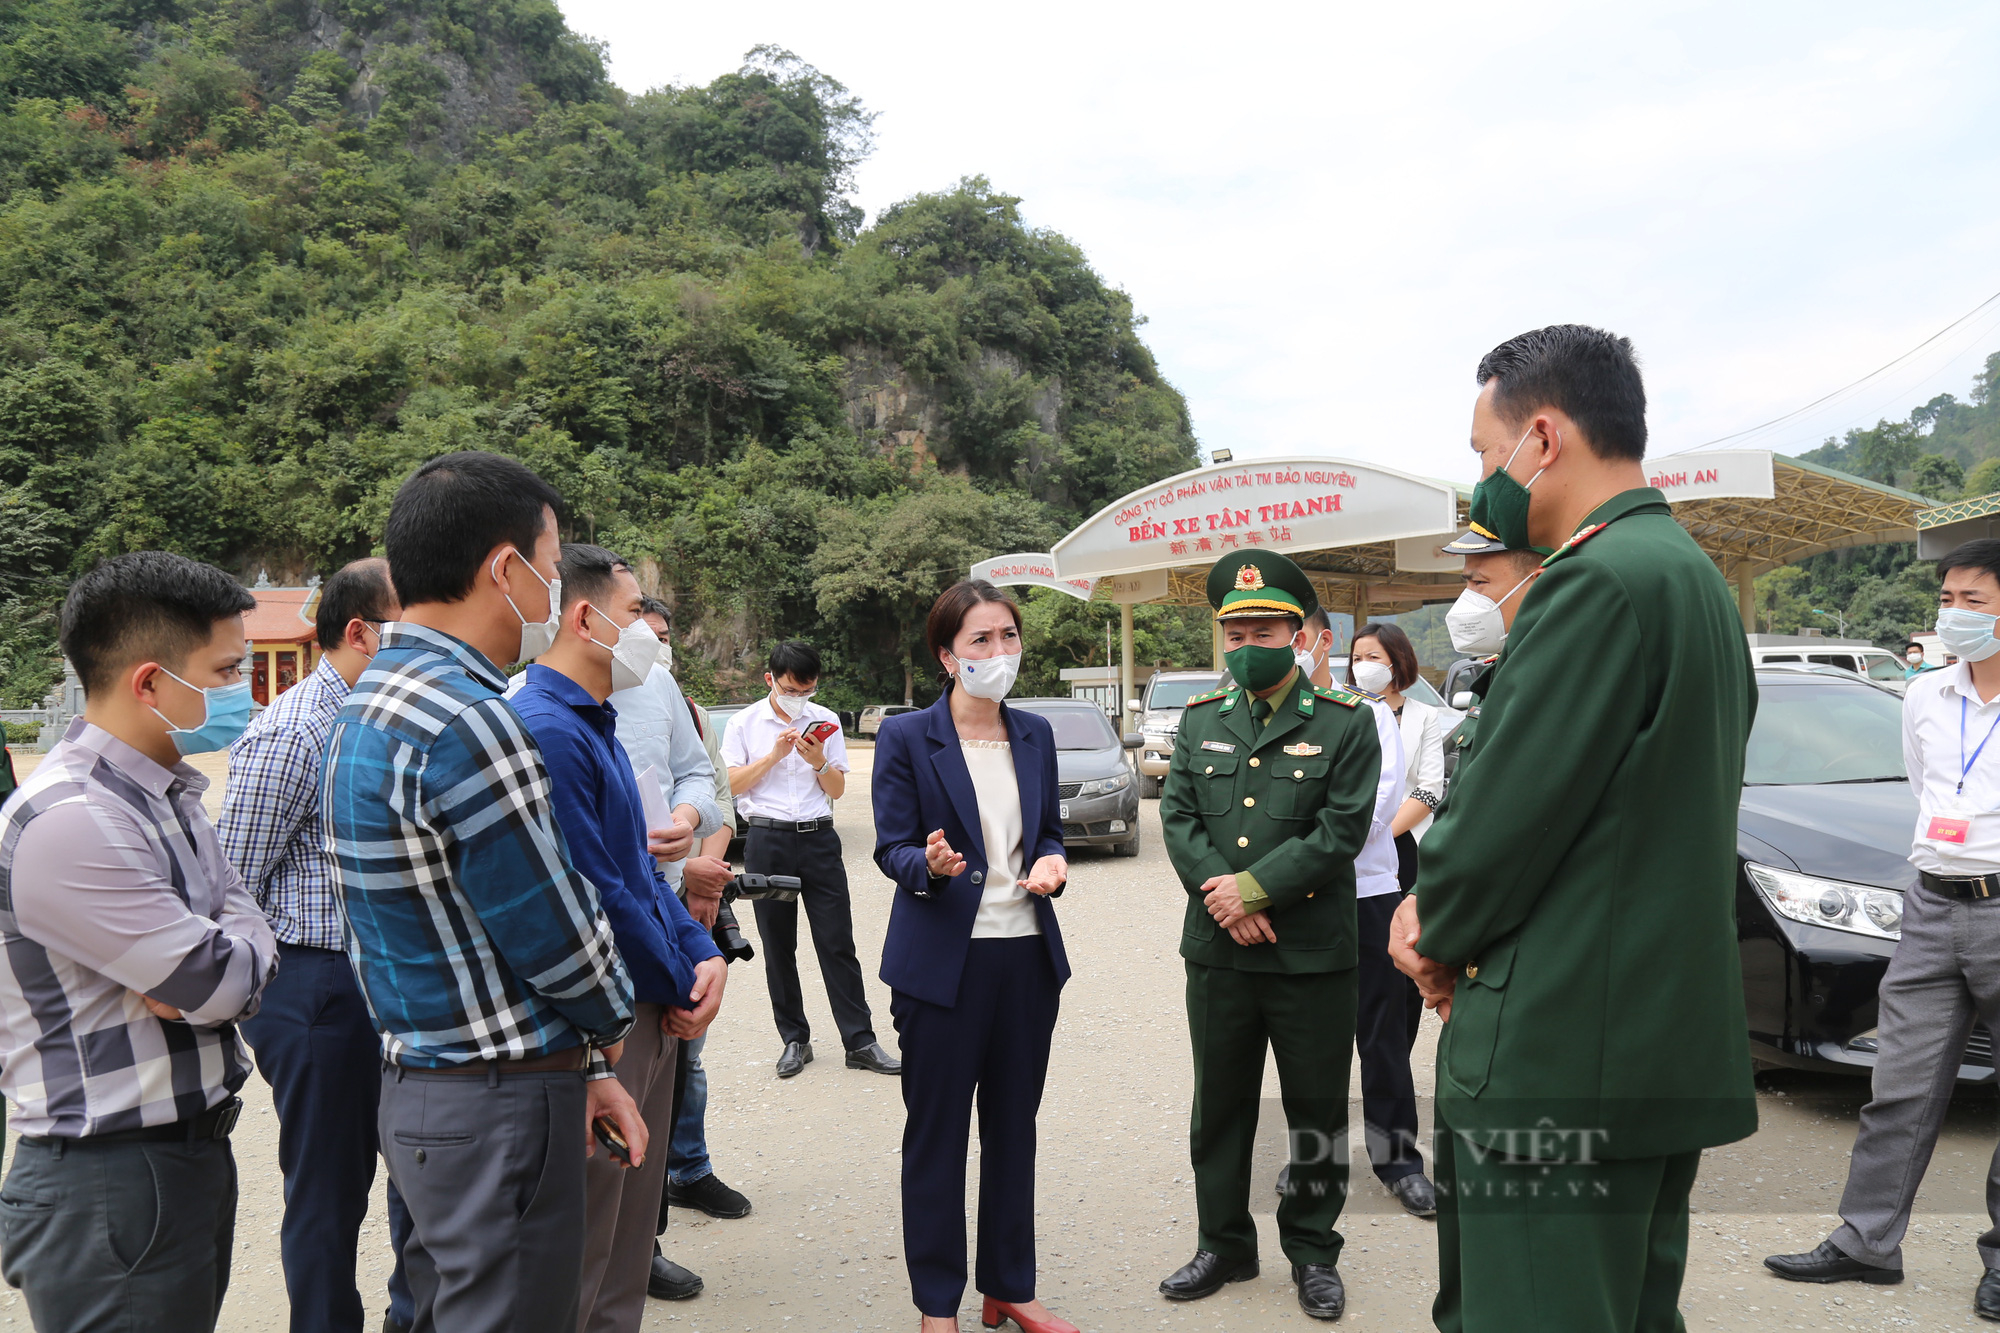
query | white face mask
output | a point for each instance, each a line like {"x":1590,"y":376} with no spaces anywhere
{"x":666,"y":655}
{"x":1373,"y":677}
{"x":791,"y":705}
{"x":1475,"y":622}
{"x":1309,"y":660}
{"x":990,"y":677}
{"x":1967,"y":634}
{"x":632,"y":657}
{"x":537,"y":637}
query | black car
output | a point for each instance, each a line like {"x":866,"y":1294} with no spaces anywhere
{"x":1823,"y":840}
{"x":1097,"y":787}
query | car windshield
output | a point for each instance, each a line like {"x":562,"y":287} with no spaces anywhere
{"x":1076,"y":728}
{"x":1884,"y":668}
{"x":1810,"y":733}
{"x":1176,"y":693}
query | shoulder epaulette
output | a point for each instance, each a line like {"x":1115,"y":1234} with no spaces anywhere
{"x":1339,"y":696}
{"x":1574,"y":542}
{"x":1208,"y":698}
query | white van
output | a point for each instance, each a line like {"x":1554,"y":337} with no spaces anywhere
{"x":1856,"y":655}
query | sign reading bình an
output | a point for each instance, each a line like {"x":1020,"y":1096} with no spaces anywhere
{"x":1286,"y":504}
{"x":1708,"y":474}
{"x":1032,"y":569}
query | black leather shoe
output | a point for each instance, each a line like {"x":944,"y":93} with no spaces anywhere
{"x":1416,"y":1193}
{"x":872,"y":1056}
{"x":669,"y":1281}
{"x":1829,"y":1263}
{"x":1986,"y":1301}
{"x":1205,"y":1274}
{"x":1285,"y":1178}
{"x":709,"y":1195}
{"x":798,"y":1054}
{"x":1321,"y":1292}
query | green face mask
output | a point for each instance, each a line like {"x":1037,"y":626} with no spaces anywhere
{"x":1500,"y":504}
{"x":1257,"y":668}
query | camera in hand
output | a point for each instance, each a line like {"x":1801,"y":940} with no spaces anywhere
{"x":772,"y":888}
{"x":728,"y":936}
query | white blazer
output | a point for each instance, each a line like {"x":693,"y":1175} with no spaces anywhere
{"x":1423,"y":757}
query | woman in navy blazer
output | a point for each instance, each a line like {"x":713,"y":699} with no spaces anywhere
{"x":968,"y":824}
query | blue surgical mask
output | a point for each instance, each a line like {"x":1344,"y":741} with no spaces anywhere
{"x":1967,"y":634}
{"x":227,"y":713}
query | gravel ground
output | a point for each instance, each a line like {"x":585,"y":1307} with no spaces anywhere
{"x":818,"y":1156}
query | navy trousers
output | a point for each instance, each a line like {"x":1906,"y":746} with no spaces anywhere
{"x":992,"y":1047}
{"x":1386,"y":1030}
{"x":318,"y":1049}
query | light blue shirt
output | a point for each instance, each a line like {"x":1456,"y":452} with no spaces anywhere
{"x":658,"y":731}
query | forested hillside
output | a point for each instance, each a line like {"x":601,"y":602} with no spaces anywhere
{"x":259,"y":258}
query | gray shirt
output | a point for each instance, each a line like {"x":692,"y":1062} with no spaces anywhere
{"x":112,"y":886}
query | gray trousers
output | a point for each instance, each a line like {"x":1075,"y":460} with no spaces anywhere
{"x":622,"y":1204}
{"x":120,"y":1236}
{"x":1945,"y":971}
{"x":491,"y":1167}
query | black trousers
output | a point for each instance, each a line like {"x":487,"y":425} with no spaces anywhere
{"x":815,"y":859}
{"x":318,"y":1049}
{"x":1385,"y":1031}
{"x":992,"y":1046}
{"x":119,"y":1235}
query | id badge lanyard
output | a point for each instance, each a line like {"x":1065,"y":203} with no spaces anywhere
{"x":1965,"y":764}
{"x":1956,"y":830}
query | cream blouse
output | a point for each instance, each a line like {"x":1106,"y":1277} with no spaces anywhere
{"x":1005,"y":908}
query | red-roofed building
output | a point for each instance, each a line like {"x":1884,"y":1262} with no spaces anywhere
{"x":280,"y":630}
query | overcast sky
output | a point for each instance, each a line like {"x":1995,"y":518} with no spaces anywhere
{"x":1328,"y":212}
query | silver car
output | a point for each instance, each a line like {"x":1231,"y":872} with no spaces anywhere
{"x":1098,"y":790}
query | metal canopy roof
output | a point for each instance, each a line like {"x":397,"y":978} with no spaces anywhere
{"x":1751,"y":510}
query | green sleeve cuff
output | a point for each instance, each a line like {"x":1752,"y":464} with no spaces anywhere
{"x":1252,"y":893}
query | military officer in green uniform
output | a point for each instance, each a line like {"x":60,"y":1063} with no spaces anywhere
{"x":1574,"y":917}
{"x":1267,"y":801}
{"x":1496,"y":582}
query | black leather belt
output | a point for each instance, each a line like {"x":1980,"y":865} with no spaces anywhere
{"x":214,"y":1123}
{"x":794,"y":825}
{"x":1974,"y":886}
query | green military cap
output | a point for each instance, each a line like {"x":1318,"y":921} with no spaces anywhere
{"x":1259,"y":583}
{"x":1476,"y":540}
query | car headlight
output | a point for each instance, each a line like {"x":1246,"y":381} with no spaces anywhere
{"x":1105,"y":786}
{"x":1829,"y":902}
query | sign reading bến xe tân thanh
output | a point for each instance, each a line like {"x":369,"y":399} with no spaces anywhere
{"x":1286,"y":504}
{"x":1032,"y":569}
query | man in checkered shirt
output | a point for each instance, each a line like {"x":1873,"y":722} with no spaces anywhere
{"x":315,"y":1042}
{"x":128,"y":950}
{"x":485,"y":957}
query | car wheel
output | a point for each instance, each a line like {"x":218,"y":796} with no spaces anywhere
{"x":1149,"y":787}
{"x":1130,"y":847}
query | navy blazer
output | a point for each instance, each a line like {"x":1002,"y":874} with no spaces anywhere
{"x":920,"y":783}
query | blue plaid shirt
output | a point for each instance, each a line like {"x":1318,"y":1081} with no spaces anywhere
{"x":270,"y":826}
{"x":473,"y":935}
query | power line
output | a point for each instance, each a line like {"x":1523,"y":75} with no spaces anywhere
{"x":1848,"y":388}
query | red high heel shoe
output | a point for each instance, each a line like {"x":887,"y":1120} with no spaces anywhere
{"x":998,"y":1312}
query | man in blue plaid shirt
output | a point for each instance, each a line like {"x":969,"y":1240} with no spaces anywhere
{"x":316,"y":1043}
{"x":485,"y":957}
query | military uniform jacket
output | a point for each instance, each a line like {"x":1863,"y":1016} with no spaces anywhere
{"x":1289,"y":802}
{"x":1583,"y":876}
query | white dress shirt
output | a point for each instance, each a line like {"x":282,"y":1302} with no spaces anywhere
{"x":790,"y":789}
{"x":1375,"y":867}
{"x":1932,"y":757}
{"x":1423,"y":758}
{"x":1005,"y":910}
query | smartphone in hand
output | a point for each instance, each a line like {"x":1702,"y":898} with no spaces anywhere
{"x":819,"y":731}
{"x":614,"y":1142}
